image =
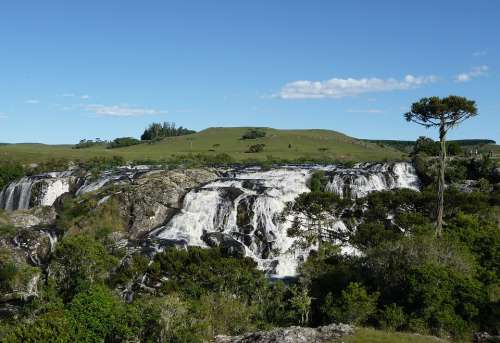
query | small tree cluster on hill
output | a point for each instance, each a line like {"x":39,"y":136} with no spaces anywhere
{"x":161,"y":130}
{"x":256,"y":148}
{"x":253,"y":134}
{"x":123,"y":142}
{"x":87,"y":143}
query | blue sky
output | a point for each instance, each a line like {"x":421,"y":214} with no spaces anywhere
{"x":87,"y":69}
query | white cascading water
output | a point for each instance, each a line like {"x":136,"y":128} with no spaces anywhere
{"x":18,"y":194}
{"x":217,"y":206}
{"x":357,"y":182}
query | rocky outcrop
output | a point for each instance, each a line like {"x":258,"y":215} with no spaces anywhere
{"x":32,"y":246}
{"x":36,"y":216}
{"x":294,"y":334}
{"x":153,"y":197}
{"x":225,"y":242}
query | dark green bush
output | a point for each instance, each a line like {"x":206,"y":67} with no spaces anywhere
{"x":254,"y":134}
{"x":123,"y":142}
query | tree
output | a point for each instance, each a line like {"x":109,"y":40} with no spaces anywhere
{"x":314,"y":217}
{"x":156,"y":131}
{"x":444,"y":113}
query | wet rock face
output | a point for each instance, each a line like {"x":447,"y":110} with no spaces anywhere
{"x":294,"y":334}
{"x":225,"y":242}
{"x":152,"y":198}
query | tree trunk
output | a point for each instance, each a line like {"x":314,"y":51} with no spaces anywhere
{"x":441,"y":180}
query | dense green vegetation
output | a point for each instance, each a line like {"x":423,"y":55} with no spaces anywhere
{"x":87,"y":143}
{"x":157,"y":131}
{"x":254,"y":134}
{"x":407,"y":146}
{"x":123,"y":142}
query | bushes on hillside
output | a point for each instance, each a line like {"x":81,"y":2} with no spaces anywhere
{"x":88,"y":143}
{"x":254,"y":134}
{"x":156,"y":131}
{"x":255,"y":148}
{"x":123,"y":142}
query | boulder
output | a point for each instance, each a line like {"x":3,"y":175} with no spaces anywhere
{"x":294,"y":334}
{"x":225,"y":242}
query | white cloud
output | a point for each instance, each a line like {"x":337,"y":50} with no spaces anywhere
{"x":3,"y":115}
{"x":121,"y":110}
{"x":339,"y":88}
{"x":32,"y":101}
{"x":369,"y":110}
{"x":475,"y":72}
{"x":68,"y":95}
{"x":479,"y":53}
{"x":84,"y":97}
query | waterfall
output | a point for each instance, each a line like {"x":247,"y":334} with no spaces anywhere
{"x":16,"y":195}
{"x":38,"y":190}
{"x":244,"y":208}
{"x":364,"y":178}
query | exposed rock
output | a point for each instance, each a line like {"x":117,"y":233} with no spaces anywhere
{"x":151,"y":199}
{"x":294,"y":334}
{"x":36,"y":216}
{"x":29,"y":245}
{"x":484,"y":337}
{"x":225,"y":242}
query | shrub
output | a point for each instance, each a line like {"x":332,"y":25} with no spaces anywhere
{"x":88,"y":143}
{"x":253,"y":134}
{"x":123,"y":142}
{"x":354,"y":306}
{"x":392,"y":317}
{"x":79,"y":261}
{"x":255,"y":148}
{"x":96,"y":315}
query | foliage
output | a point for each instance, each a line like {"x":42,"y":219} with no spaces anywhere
{"x":318,"y":181}
{"x":97,"y":315}
{"x":254,"y":134}
{"x":196,"y":271}
{"x":392,"y":317}
{"x":79,"y":262}
{"x":354,"y":306}
{"x":256,"y":148}
{"x":156,"y":131}
{"x":123,"y":142}
{"x":431,"y":148}
{"x":85,"y":216}
{"x":88,"y":143}
{"x":9,"y":171}
{"x":444,"y":113}
{"x":313,"y":217}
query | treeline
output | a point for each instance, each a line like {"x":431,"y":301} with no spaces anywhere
{"x":157,"y":131}
{"x":408,"y":146}
{"x":154,"y":132}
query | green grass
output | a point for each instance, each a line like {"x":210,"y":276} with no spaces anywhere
{"x":314,"y":144}
{"x":365,"y":335}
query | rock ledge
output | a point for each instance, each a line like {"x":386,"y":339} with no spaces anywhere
{"x":293,"y":334}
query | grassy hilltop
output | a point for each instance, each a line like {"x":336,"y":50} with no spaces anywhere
{"x":282,"y":144}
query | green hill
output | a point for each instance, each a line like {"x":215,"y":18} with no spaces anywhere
{"x":283,"y":144}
